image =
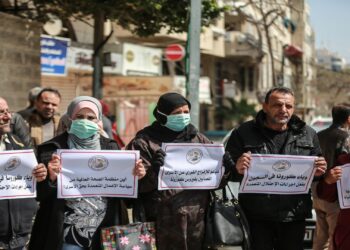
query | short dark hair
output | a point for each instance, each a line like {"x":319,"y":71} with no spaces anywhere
{"x":284,"y":90}
{"x":48,"y":89}
{"x":340,"y":113}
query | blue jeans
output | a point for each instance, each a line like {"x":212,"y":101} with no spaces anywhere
{"x":67,"y":246}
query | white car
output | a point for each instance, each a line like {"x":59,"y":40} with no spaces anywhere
{"x":320,"y":123}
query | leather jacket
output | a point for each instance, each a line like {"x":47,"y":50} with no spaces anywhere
{"x":301,"y":140}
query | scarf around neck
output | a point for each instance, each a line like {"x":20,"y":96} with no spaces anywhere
{"x":92,"y":142}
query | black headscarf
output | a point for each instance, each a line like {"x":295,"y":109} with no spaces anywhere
{"x":167,"y":103}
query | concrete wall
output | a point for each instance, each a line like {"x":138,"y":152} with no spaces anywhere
{"x":19,"y":59}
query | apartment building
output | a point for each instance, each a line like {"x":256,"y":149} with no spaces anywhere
{"x":302,"y":55}
{"x":330,"y":60}
{"x":248,"y":50}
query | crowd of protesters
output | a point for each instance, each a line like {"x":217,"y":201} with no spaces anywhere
{"x":276,"y":221}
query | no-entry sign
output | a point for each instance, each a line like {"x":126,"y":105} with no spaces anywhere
{"x":174,"y":52}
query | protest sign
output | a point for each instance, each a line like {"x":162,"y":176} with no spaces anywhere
{"x":278,"y":174}
{"x":191,"y":166}
{"x":16,"y":179}
{"x":343,"y":186}
{"x":88,"y":173}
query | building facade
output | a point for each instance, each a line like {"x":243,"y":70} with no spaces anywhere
{"x":246,"y":51}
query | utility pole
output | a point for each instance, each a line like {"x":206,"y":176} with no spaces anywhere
{"x":98,"y":54}
{"x":194,"y":60}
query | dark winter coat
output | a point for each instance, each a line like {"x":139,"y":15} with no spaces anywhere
{"x":20,"y":128}
{"x":301,"y":140}
{"x":333,"y":143}
{"x":16,"y":215}
{"x":179,"y":214}
{"x":47,"y":231}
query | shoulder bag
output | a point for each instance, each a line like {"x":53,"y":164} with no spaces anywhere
{"x":226,"y":224}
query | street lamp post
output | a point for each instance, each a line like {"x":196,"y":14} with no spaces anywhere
{"x":194,"y":60}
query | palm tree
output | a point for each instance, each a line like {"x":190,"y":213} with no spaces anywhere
{"x":236,"y":111}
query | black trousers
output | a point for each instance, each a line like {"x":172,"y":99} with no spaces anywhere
{"x":270,"y":235}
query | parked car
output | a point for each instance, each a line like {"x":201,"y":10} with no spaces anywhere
{"x":320,"y":123}
{"x":216,"y":136}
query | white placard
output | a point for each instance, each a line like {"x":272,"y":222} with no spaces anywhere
{"x":278,"y":174}
{"x":88,"y":173}
{"x":343,"y":186}
{"x":191,"y":166}
{"x":16,"y":179}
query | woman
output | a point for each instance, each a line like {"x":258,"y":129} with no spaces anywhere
{"x":179,"y":214}
{"x":327,"y":190}
{"x":75,"y":224}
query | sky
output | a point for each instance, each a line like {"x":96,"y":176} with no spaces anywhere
{"x":331,"y":22}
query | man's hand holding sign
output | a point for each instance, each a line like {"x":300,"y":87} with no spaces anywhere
{"x":279,"y":174}
{"x":19,"y":170}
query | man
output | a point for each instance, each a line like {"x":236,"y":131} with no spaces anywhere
{"x":333,"y":142}
{"x":19,"y":127}
{"x":276,"y":221}
{"x":16,"y":215}
{"x":43,"y":121}
{"x":32,"y":95}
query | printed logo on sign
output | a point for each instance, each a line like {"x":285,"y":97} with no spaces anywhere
{"x":194,"y":156}
{"x":12,"y":163}
{"x":98,"y":162}
{"x":281,"y":166}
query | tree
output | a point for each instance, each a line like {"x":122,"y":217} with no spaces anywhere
{"x":332,"y":88}
{"x":237,"y":111}
{"x":269,"y":12}
{"x":143,"y":18}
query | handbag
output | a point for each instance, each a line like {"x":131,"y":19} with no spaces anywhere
{"x":139,"y":235}
{"x":226,"y":224}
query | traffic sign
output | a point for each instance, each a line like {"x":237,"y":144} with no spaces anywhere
{"x":175,"y":52}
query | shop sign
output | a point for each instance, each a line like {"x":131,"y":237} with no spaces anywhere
{"x":54,"y":55}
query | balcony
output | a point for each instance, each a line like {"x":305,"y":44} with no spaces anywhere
{"x":293,"y":53}
{"x":239,"y":44}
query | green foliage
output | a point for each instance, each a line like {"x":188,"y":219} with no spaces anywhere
{"x":237,"y":111}
{"x":142,"y":17}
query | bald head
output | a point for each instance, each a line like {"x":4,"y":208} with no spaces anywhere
{"x":5,"y":117}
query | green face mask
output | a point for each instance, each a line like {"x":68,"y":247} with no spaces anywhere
{"x":177,"y":122}
{"x":83,"y":128}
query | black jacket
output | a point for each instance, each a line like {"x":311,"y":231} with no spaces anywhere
{"x":333,"y":143}
{"x":47,"y":231}
{"x":19,"y":127}
{"x":16,"y":215}
{"x":301,"y":140}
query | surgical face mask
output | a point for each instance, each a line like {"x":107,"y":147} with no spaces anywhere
{"x":177,"y":122}
{"x":83,"y":128}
